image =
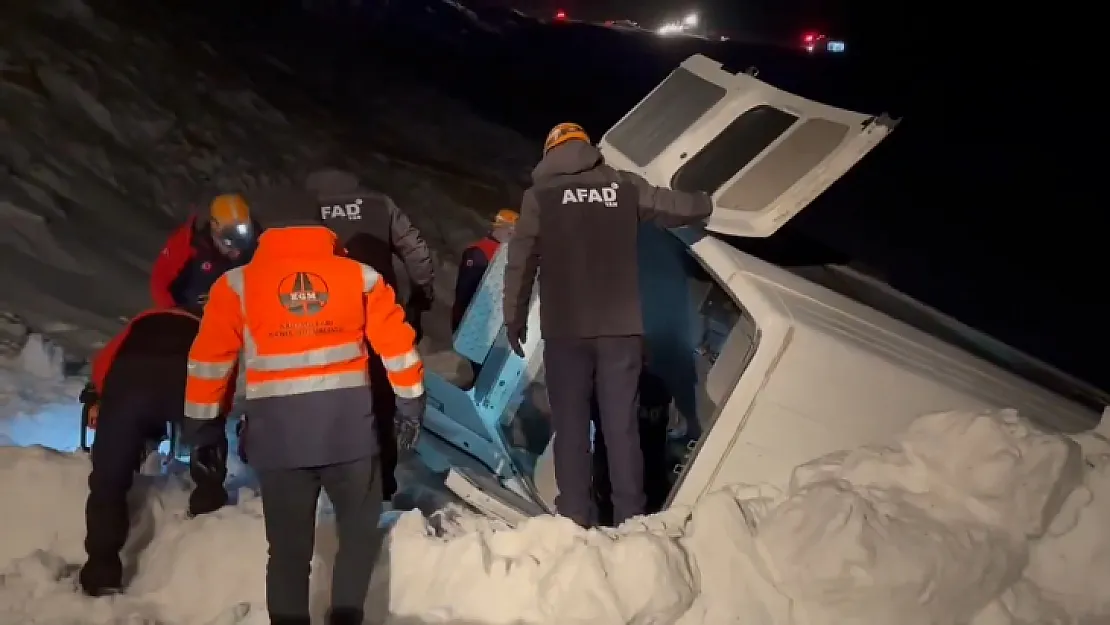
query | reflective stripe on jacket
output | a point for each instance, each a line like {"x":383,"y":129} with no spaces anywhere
{"x":301,"y":316}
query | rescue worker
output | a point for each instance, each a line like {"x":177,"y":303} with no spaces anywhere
{"x":373,"y":230}
{"x":578,"y":228}
{"x":201,"y":250}
{"x":303,"y":315}
{"x":475,"y":260}
{"x":137,"y":387}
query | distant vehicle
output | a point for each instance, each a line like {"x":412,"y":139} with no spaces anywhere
{"x":560,"y":16}
{"x":690,"y":25}
{"x":818,"y":43}
{"x":622,"y":24}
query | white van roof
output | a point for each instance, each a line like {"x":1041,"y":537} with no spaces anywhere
{"x":1027,"y":383}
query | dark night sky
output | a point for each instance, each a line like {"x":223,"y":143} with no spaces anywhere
{"x":982,"y":203}
{"x":985,"y":202}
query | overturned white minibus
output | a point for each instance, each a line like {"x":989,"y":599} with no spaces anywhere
{"x":769,"y":367}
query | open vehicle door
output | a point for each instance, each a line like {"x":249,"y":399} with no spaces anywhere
{"x":467,"y":427}
{"x":763,"y":153}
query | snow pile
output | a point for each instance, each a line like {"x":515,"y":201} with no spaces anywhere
{"x":175,"y":558}
{"x":32,"y":376}
{"x":932,"y":529}
{"x":1070,"y":567}
{"x":42,"y":359}
{"x":926,"y":531}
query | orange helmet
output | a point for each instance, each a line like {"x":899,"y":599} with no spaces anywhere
{"x":506,"y":217}
{"x":229,"y":210}
{"x":230,"y":219}
{"x":567,"y":131}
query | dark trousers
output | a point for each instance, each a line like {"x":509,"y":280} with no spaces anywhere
{"x":653,"y":449}
{"x":128,"y":424}
{"x":576,"y":370}
{"x":385,"y":410}
{"x":289,"y":498}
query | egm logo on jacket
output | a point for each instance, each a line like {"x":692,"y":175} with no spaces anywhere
{"x":303,"y":294}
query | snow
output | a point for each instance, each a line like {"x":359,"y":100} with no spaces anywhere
{"x":965,"y":518}
{"x":35,"y":394}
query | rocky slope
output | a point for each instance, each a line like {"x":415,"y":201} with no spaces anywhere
{"x":109,"y":133}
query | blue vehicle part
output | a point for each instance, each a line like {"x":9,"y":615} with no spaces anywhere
{"x":473,"y":420}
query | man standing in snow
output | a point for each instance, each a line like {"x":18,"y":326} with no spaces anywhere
{"x":578,"y":229}
{"x":373,"y":230}
{"x":137,"y":386}
{"x":303,"y":315}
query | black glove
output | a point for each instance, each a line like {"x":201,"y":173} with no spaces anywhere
{"x":427,"y":295}
{"x":407,"y":434}
{"x":89,"y":396}
{"x":517,"y":333}
{"x":408,"y":421}
{"x":208,"y":470}
{"x":420,"y":299}
{"x":202,"y":432}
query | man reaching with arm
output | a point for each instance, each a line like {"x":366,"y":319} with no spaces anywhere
{"x":578,"y":229}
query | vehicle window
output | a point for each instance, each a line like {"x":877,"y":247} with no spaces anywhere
{"x":700,"y":339}
{"x":719,"y":314}
{"x":689,"y":321}
{"x":731,"y":150}
{"x":809,"y":143}
{"x":655,"y":123}
{"x":724,"y":343}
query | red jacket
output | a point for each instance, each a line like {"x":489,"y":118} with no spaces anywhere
{"x":472,"y":267}
{"x":102,"y":362}
{"x":188,"y":266}
{"x":177,"y":253}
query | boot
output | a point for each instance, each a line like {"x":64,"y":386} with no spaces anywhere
{"x":345,"y":616}
{"x":101,"y":576}
{"x":290,"y":620}
{"x":208,"y":469}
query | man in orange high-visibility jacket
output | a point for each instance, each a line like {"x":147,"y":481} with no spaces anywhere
{"x":302,"y":316}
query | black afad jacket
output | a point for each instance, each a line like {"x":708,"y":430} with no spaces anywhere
{"x":371,"y":227}
{"x":578,"y":229}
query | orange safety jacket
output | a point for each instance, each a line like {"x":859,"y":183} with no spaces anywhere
{"x":301,"y":314}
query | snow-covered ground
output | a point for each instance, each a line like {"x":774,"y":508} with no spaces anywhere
{"x":965,"y":518}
